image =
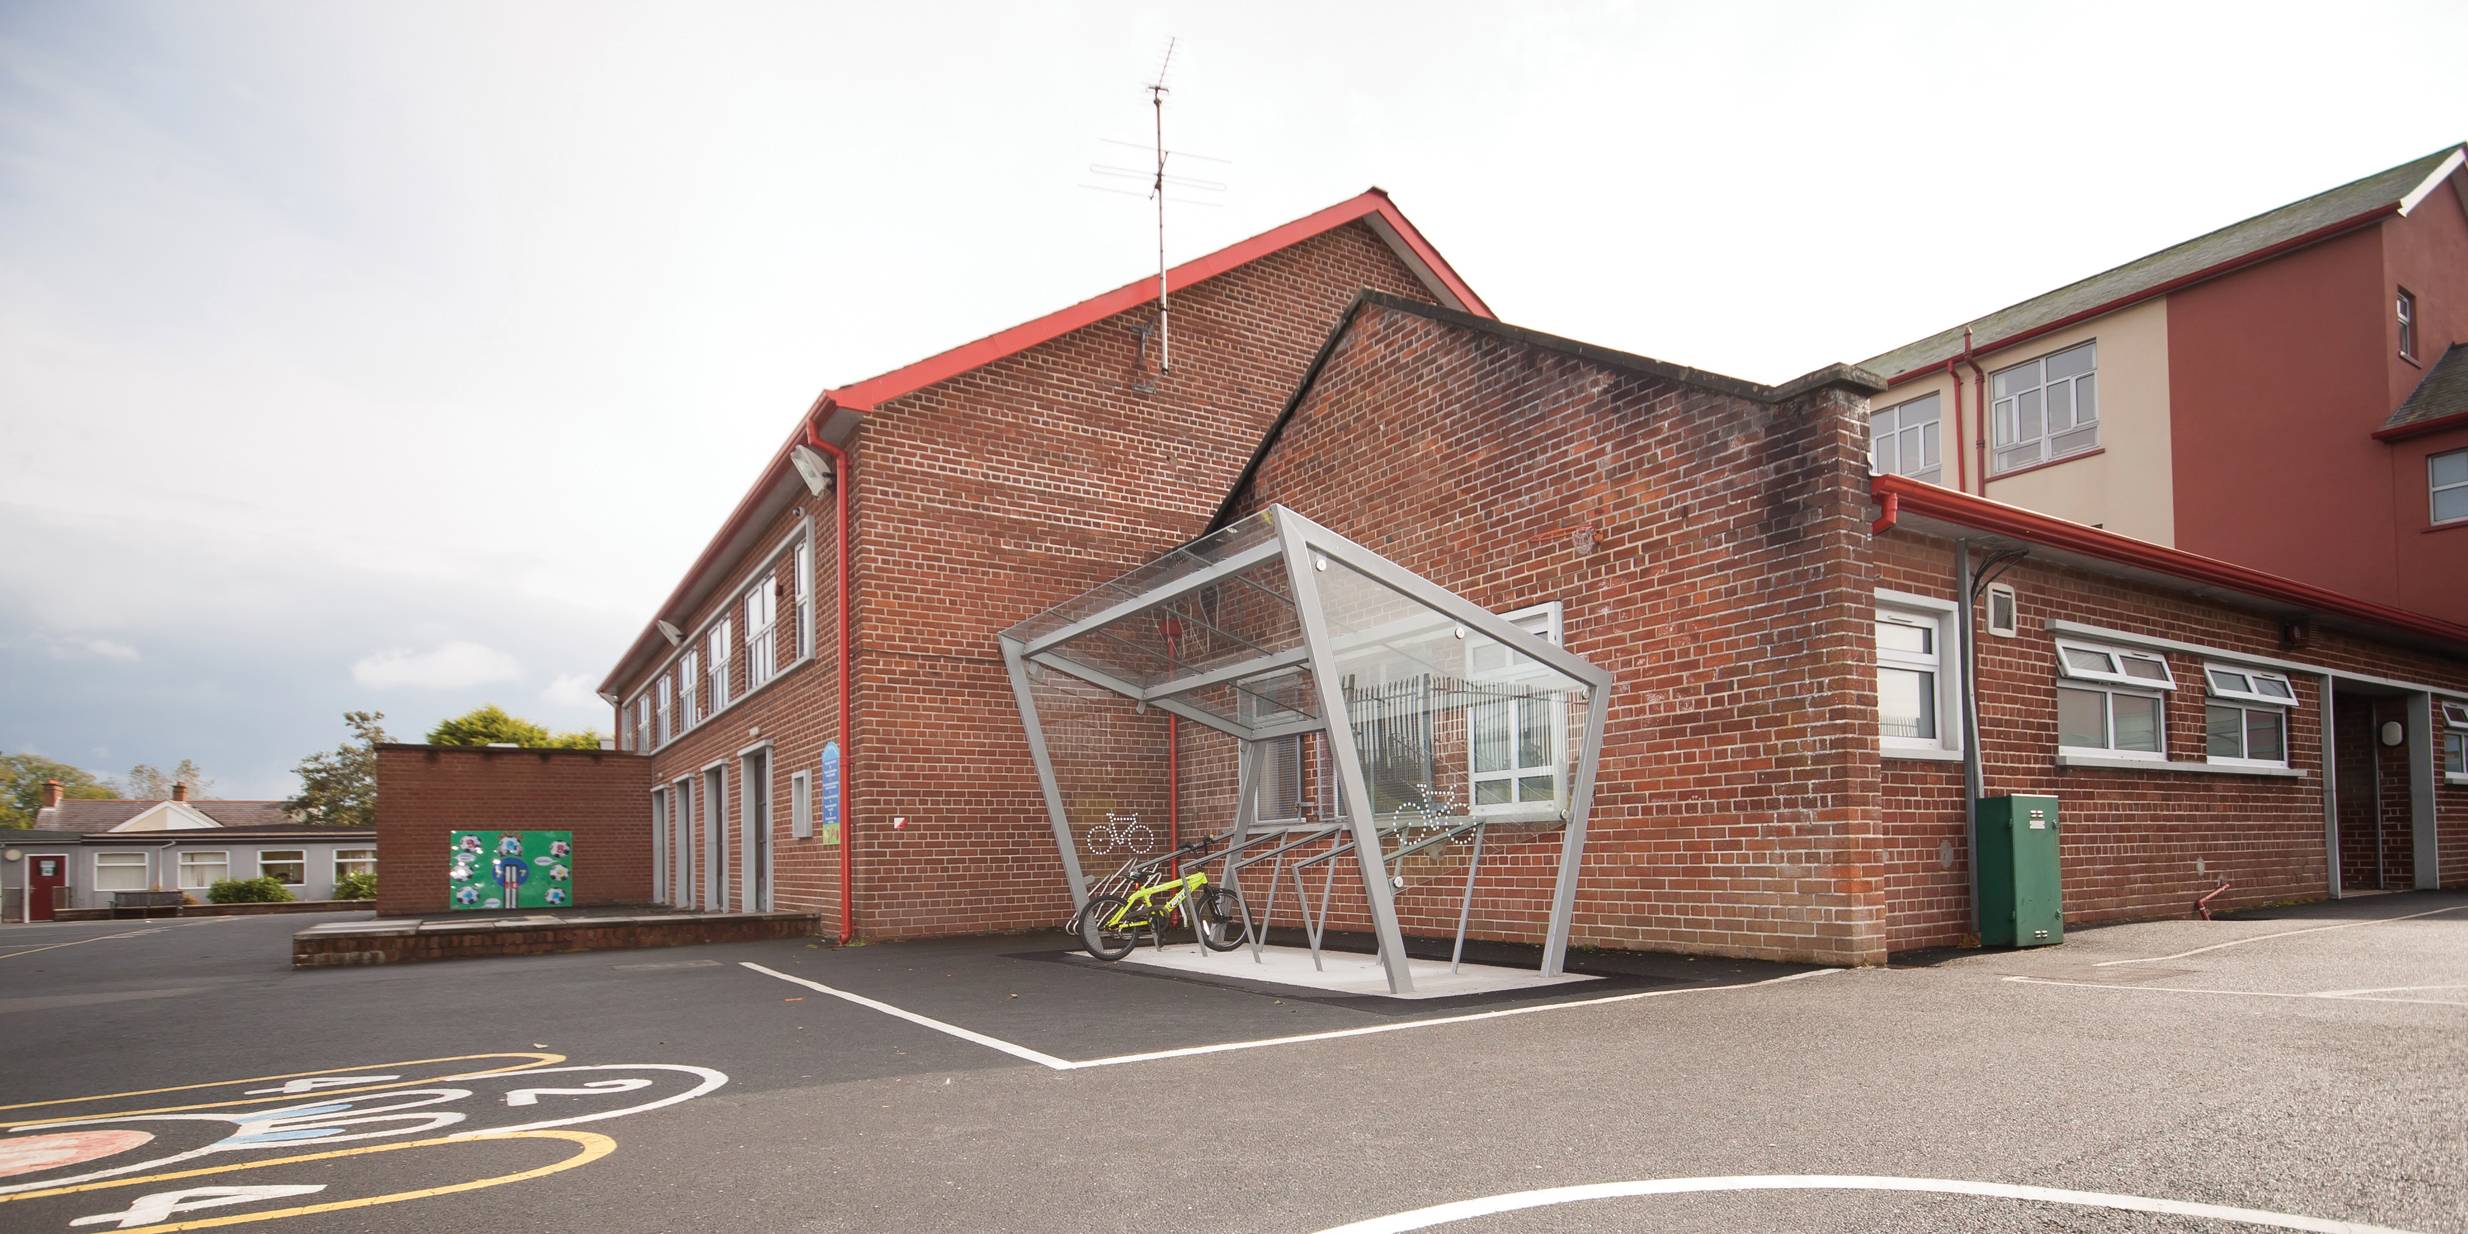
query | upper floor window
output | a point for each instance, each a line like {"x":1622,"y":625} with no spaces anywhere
{"x":723,"y":641}
{"x":689,"y":690}
{"x":2047,"y":408}
{"x":2446,"y":477}
{"x":666,"y":716}
{"x":762,"y":615}
{"x":2407,"y":311}
{"x":805,"y":599}
{"x":2112,"y":701}
{"x":642,"y":723}
{"x":1902,"y":440}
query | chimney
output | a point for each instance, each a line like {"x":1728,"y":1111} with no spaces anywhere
{"x":51,"y":794}
{"x":180,"y":790}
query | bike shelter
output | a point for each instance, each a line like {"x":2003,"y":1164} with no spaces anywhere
{"x":1214,"y":672}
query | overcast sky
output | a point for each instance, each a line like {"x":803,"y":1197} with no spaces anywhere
{"x":400,"y":356}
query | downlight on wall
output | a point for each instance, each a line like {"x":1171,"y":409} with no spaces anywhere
{"x":811,"y":467}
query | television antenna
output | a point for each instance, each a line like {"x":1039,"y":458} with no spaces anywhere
{"x":1162,"y":186}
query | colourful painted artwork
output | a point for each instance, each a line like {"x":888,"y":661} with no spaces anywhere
{"x":511,"y":869}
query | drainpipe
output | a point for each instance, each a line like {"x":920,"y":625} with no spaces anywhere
{"x":1889,"y":508}
{"x":1973,"y":778}
{"x":848,"y":745}
{"x":1979,"y":401}
{"x":1962,"y":474}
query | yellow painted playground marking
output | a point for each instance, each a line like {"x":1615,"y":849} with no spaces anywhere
{"x":536,"y":1060}
{"x":592,"y":1146}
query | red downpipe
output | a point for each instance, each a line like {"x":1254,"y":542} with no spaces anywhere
{"x":2203,"y":905}
{"x":848,"y":745}
{"x":1962,"y":475}
{"x":1890,"y":509}
{"x":1979,"y":402}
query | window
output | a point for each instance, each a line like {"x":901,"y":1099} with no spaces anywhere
{"x":1281,"y":782}
{"x":1514,"y":748}
{"x":2002,"y":611}
{"x":762,"y":649}
{"x":660,"y":691}
{"x":805,"y":599}
{"x":801,"y":805}
{"x":2455,"y":739}
{"x":2048,"y":408}
{"x":288,"y":866}
{"x":2407,"y":310}
{"x":120,"y":872}
{"x":1903,"y":441}
{"x":642,"y":723}
{"x":1916,"y":661}
{"x":2446,"y":477}
{"x":723,"y":637}
{"x":202,"y":870}
{"x":2245,"y":719}
{"x":354,"y":861}
{"x":2111,"y":701}
{"x":689,"y":690}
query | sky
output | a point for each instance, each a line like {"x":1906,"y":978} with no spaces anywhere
{"x":402,"y":356}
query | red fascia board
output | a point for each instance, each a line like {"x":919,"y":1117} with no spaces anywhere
{"x":2178,"y":283}
{"x":1930,"y":500}
{"x":873,"y":392}
{"x":2419,"y":428}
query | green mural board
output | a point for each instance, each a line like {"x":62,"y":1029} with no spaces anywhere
{"x":511,"y":869}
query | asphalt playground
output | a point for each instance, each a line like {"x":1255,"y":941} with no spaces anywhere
{"x":2300,"y":1069}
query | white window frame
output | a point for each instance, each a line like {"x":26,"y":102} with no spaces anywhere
{"x":2004,"y":592}
{"x":664,"y":710}
{"x":187,"y":861}
{"x":1892,"y":423}
{"x":2405,"y":308}
{"x":805,"y":598}
{"x":1938,"y":616}
{"x":689,"y":689}
{"x":2009,"y":385}
{"x":2434,"y":491}
{"x":723,"y":647}
{"x":145,"y":880}
{"x":2109,"y":682}
{"x":762,"y":612}
{"x":2454,"y":741}
{"x":300,"y":859}
{"x":347,"y":862}
{"x":1544,"y":622}
{"x":642,"y":723}
{"x":2243,"y":690}
{"x":1291,"y":768}
{"x":800,"y":805}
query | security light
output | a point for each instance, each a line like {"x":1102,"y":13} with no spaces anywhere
{"x":813,"y":467}
{"x":2393,"y":734}
{"x":671,"y":633}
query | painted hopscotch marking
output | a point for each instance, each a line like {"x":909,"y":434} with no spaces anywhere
{"x":1514,"y":1201}
{"x":2264,"y":938}
{"x":1049,"y":1061}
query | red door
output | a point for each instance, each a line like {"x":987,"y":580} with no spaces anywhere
{"x":44,"y":871}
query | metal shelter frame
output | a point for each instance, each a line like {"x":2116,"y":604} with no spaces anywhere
{"x":1306,"y":551}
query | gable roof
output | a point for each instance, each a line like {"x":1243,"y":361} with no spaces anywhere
{"x":84,"y":815}
{"x":2335,"y":212}
{"x":1833,"y":374}
{"x":2440,"y":400}
{"x":777,"y":485}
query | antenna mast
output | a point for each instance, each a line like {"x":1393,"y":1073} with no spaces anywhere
{"x":1165,"y":331}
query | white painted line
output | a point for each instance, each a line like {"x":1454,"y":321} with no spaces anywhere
{"x":2335,"y":996}
{"x":1062,"y":1064}
{"x":2260,"y":938}
{"x":991,"y":1043}
{"x":1466,"y":1210}
{"x":1436,"y":1021}
{"x":101,"y":938}
{"x":2383,"y":989}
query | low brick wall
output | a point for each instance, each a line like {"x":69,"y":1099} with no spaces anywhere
{"x":426,"y":793}
{"x":404,"y":943}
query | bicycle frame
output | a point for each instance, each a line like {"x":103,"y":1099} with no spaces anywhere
{"x":1140,"y":909}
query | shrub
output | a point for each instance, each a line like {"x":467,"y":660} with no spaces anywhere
{"x":259,"y":890}
{"x":357,"y":885}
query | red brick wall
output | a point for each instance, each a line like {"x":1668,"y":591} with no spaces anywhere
{"x":2135,"y":844}
{"x":1704,"y":548}
{"x":424,"y":793}
{"x":978,"y":503}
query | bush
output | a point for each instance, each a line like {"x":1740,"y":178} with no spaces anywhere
{"x":357,"y":885}
{"x":259,"y":890}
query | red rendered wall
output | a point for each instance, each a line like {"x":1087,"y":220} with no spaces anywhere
{"x":425,"y":793}
{"x":2427,"y":253}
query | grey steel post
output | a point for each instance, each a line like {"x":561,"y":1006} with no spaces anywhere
{"x":1301,"y":570}
{"x":1014,"y":660}
{"x":1572,"y":841}
{"x":1246,"y":810}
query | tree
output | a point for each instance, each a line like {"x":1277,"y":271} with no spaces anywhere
{"x":338,"y":787}
{"x":146,"y":782}
{"x":491,"y":725}
{"x":22,"y":777}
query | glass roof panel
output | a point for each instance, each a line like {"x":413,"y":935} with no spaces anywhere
{"x":1212,"y":611}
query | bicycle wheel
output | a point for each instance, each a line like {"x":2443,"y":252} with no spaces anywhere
{"x":1104,"y":941}
{"x":1221,"y":919}
{"x":1137,"y":838}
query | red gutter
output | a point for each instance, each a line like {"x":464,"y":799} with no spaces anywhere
{"x":2419,"y":428}
{"x":1982,"y":514}
{"x":1889,"y":508}
{"x":2238,"y":262}
{"x":848,"y":745}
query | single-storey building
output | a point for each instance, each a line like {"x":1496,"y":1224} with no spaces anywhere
{"x":80,"y":852}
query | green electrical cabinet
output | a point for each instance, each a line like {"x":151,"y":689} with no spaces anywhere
{"x":2022,"y":900}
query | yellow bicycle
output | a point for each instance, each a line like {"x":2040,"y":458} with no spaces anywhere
{"x":1133,"y":900}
